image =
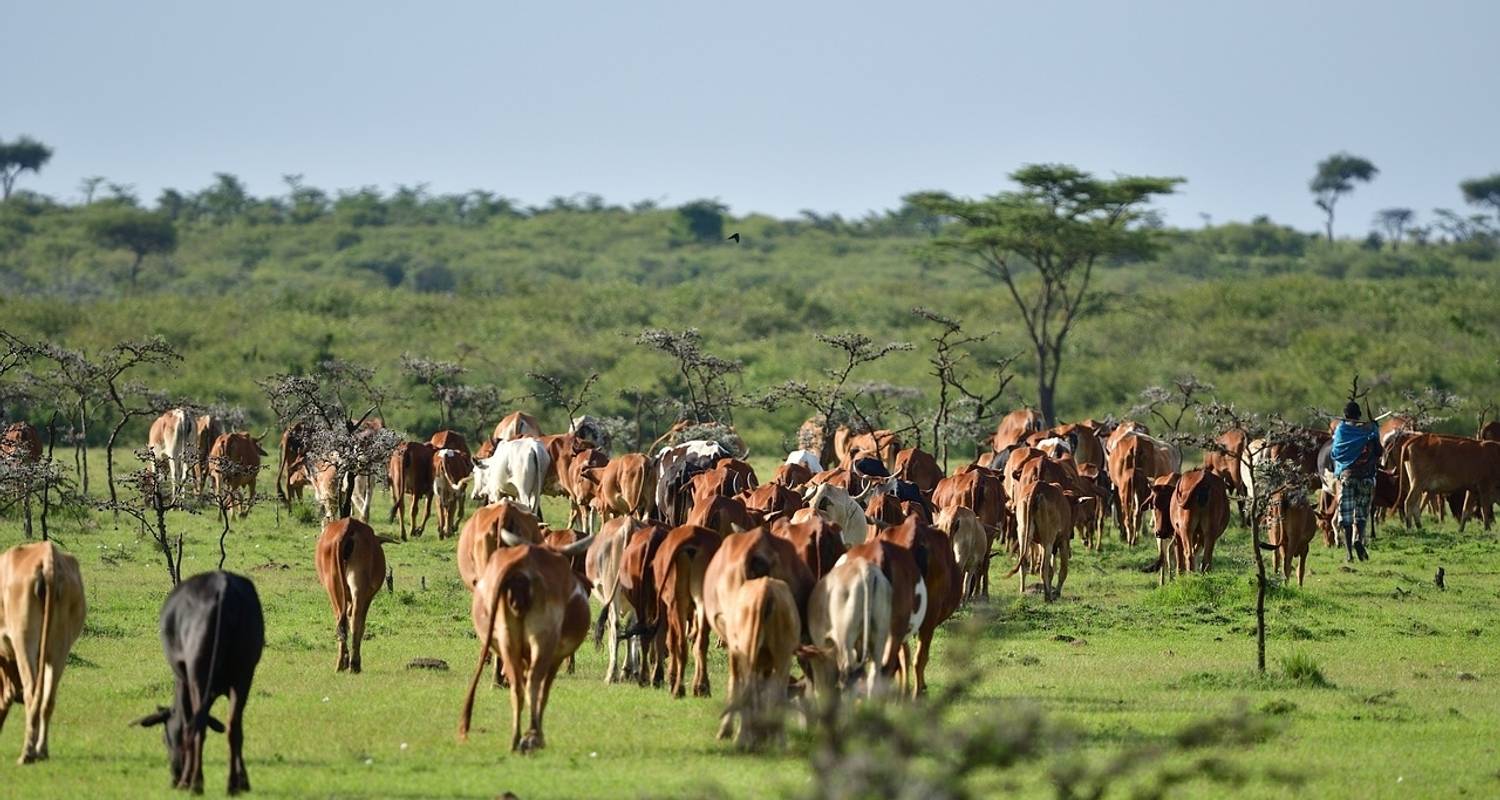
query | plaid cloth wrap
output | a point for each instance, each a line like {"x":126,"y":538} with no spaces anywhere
{"x":1355,"y":495}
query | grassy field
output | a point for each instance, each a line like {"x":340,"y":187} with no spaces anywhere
{"x":1411,"y":709}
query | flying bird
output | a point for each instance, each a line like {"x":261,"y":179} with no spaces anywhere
{"x":734,"y":237}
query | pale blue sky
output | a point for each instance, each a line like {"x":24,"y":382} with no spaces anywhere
{"x":770,"y":106}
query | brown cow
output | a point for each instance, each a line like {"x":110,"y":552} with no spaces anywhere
{"x":792,"y":476}
{"x":581,"y":490}
{"x":41,"y":615}
{"x":625,"y":486}
{"x":234,"y":463}
{"x":1015,"y":427}
{"x":881,"y":444}
{"x":515,"y":425}
{"x":762,"y":626}
{"x":562,"y":448}
{"x":772,"y":499}
{"x":982,"y":491}
{"x":1044,"y":522}
{"x":970,"y":545}
{"x":724,"y":514}
{"x":1446,"y":465}
{"x":919,"y":467}
{"x":1490,"y":431}
{"x":1131,"y":469}
{"x":1290,"y":525}
{"x":293,"y":457}
{"x":679,"y":565}
{"x":727,"y":478}
{"x":351,"y":566}
{"x":1227,"y":460}
{"x":744,"y":556}
{"x":410,"y":473}
{"x":1199,"y":512}
{"x":533,"y":612}
{"x":207,"y":428}
{"x":638,"y":586}
{"x":452,"y":467}
{"x":818,"y":541}
{"x":482,"y":535}
{"x":943,"y":581}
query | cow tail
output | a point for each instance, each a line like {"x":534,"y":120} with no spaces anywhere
{"x":43,"y":589}
{"x":542,"y":481}
{"x":283,"y":480}
{"x":484,"y":652}
{"x":599,"y":624}
{"x":1026,"y":535}
{"x":869,"y":648}
{"x":341,"y":556}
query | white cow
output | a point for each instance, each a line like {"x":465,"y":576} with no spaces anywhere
{"x":515,"y":470}
{"x":835,"y":503}
{"x":806,"y":458}
{"x":849,"y":617}
{"x":173,"y":436}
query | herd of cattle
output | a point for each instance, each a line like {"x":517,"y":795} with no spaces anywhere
{"x":845,"y":572}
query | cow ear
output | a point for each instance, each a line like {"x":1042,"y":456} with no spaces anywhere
{"x":215,"y":725}
{"x":159,"y":717}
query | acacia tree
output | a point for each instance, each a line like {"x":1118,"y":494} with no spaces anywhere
{"x":129,"y":399}
{"x":1042,"y":241}
{"x":323,"y":401}
{"x":73,"y":383}
{"x":22,"y":155}
{"x":1395,"y":222}
{"x":1171,"y":403}
{"x":704,"y":375}
{"x":952,"y":348}
{"x":1335,"y":178}
{"x":554,"y":390}
{"x":454,"y":398}
{"x":148,"y":505}
{"x":829,"y":400}
{"x":1483,"y":191}
{"x":143,"y":233}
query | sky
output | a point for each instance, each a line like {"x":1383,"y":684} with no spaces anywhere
{"x":769,"y":106}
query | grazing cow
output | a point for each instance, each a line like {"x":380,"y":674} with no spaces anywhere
{"x":625,"y":486}
{"x":1015,"y":427}
{"x":295,"y":441}
{"x":602,"y":565}
{"x":903,"y":569}
{"x":971,"y":545}
{"x":1445,"y":465}
{"x":581,"y":490}
{"x":517,"y":425}
{"x":849,"y":618}
{"x":679,"y":565}
{"x":918,"y":467}
{"x":485,"y":532}
{"x":772,"y":500}
{"x":212,"y":631}
{"x":171,"y":440}
{"x":452,"y":467}
{"x":207,"y":428}
{"x":41,"y":615}
{"x":817,"y":540}
{"x":234,"y":463}
{"x":840,"y":509}
{"x":516,"y":470}
{"x":1290,"y":526}
{"x":724,"y":514}
{"x":675,"y":468}
{"x":351,"y":566}
{"x":638,"y":586}
{"x":943,"y":583}
{"x":1044,"y":523}
{"x":533,"y":612}
{"x":762,"y":628}
{"x":410,"y":473}
{"x":325,"y":490}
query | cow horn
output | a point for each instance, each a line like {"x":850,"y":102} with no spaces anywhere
{"x":577,"y":548}
{"x":512,"y":540}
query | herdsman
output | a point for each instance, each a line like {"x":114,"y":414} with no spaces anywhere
{"x":1356,"y":456}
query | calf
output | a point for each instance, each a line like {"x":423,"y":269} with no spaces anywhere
{"x":679,"y":566}
{"x":762,"y":628}
{"x":1044,"y":522}
{"x":1290,"y":526}
{"x":971,"y":545}
{"x":581,"y":490}
{"x":849,"y":618}
{"x":41,"y":615}
{"x":533,"y":612}
{"x":410,"y":473}
{"x":234,"y":463}
{"x":207,"y":428}
{"x":743,"y":557}
{"x":452,"y":467}
{"x":351,"y":566}
{"x":212,"y":632}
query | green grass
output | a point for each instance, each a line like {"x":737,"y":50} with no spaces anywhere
{"x":1366,"y":686}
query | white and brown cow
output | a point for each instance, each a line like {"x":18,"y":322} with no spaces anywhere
{"x":41,"y":615}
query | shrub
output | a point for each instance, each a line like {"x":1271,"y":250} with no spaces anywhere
{"x":1303,"y":670}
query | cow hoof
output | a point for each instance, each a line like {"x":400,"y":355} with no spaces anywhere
{"x":701,"y":691}
{"x":531,"y":742}
{"x":678,"y":693}
{"x":354,"y":667}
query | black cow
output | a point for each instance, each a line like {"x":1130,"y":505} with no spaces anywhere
{"x":212,"y":632}
{"x":675,"y":469}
